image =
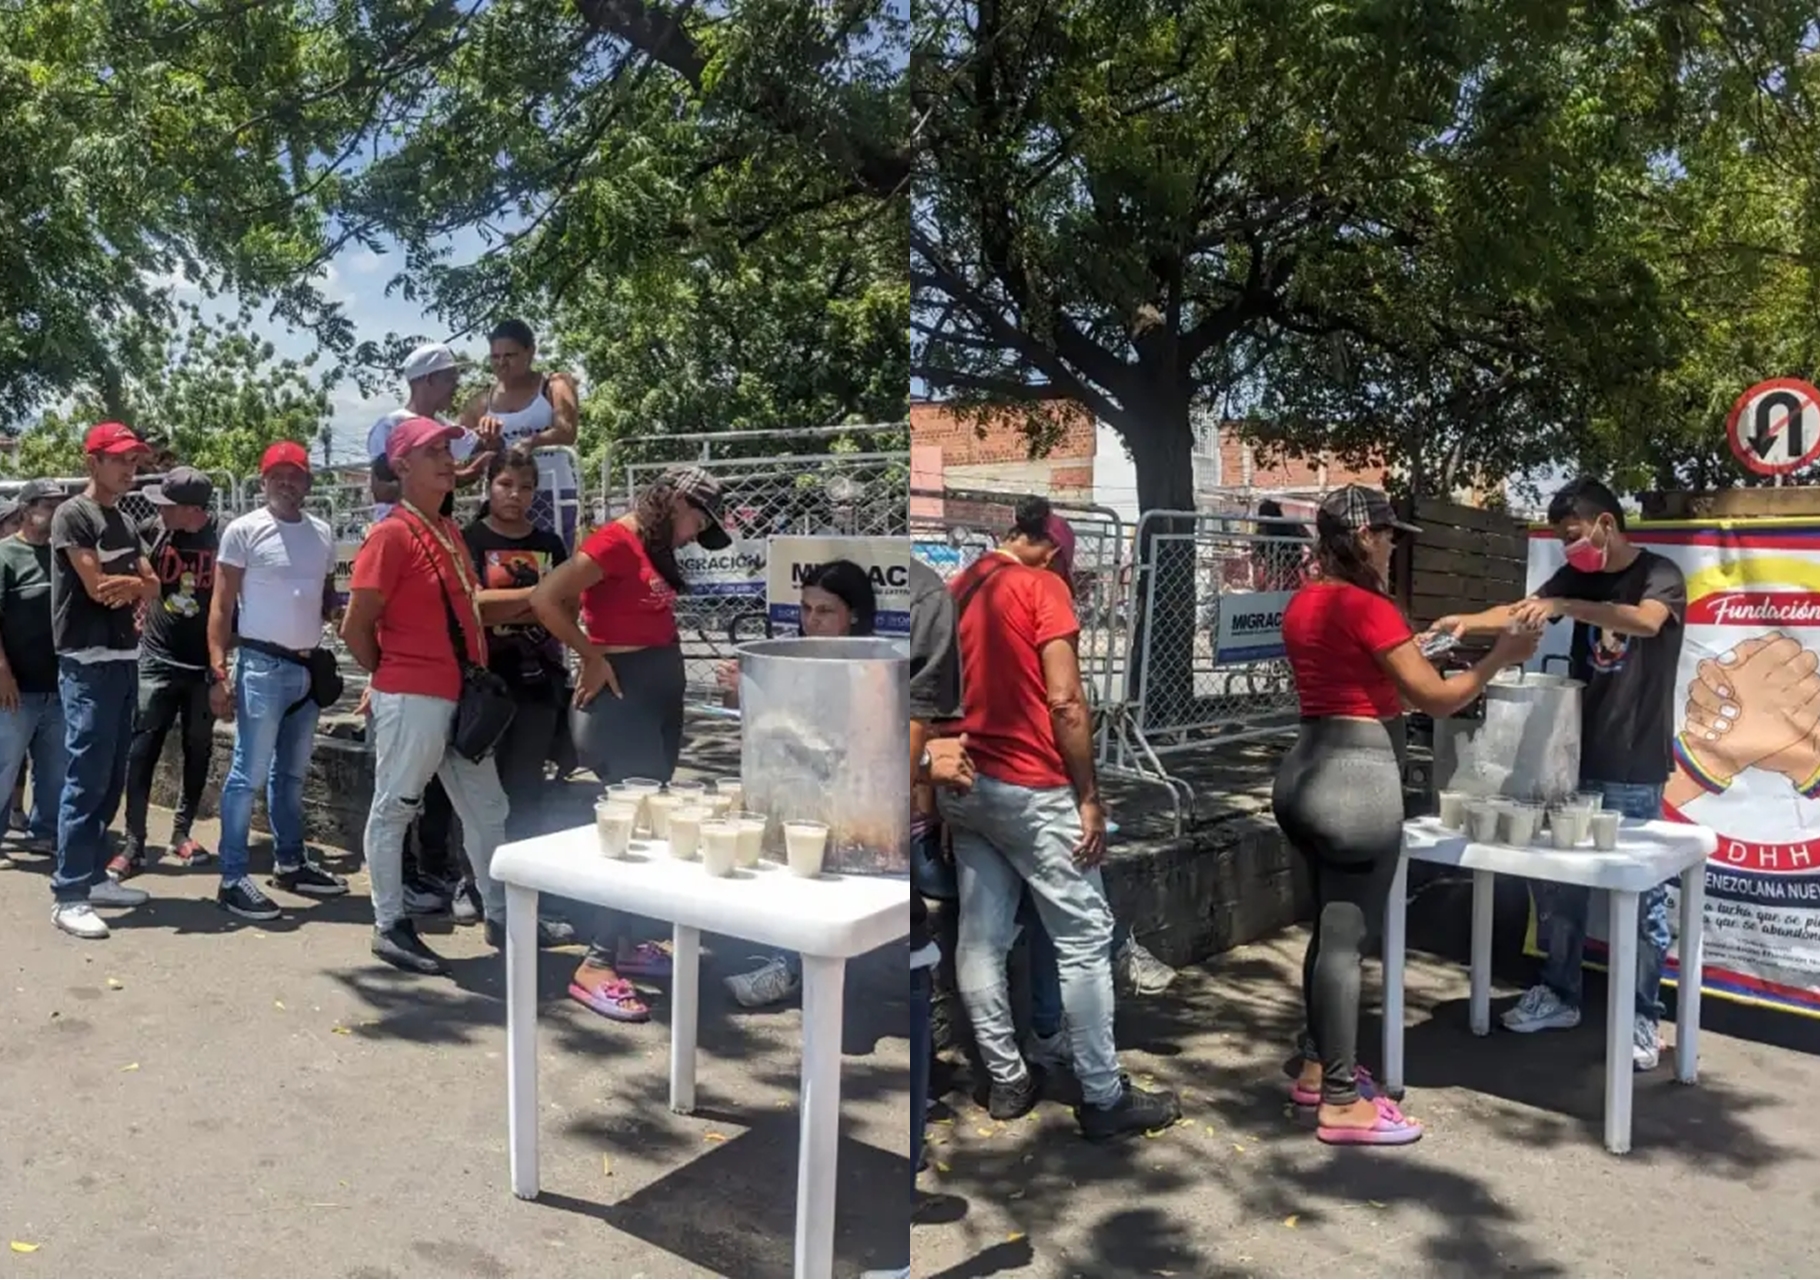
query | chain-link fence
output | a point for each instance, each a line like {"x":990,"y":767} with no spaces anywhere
{"x":134,"y":505}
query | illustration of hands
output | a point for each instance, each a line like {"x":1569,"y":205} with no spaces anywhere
{"x":1757,"y":707}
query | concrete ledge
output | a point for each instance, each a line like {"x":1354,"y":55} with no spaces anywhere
{"x":336,"y":793}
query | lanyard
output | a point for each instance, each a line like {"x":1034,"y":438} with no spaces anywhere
{"x":470,"y":588}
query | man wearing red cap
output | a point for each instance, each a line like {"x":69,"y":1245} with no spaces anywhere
{"x":99,"y":575}
{"x":276,"y":567}
{"x":414,"y":601}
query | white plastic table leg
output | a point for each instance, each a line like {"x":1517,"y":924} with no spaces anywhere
{"x":1478,"y":1008}
{"x":1396,"y":919}
{"x":1620,"y":1021}
{"x":521,"y":1037}
{"x":685,"y":1016}
{"x":1693,"y":958}
{"x":819,"y":1146}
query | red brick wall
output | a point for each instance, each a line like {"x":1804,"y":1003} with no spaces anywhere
{"x":1003,"y":448}
{"x":1286,"y":473}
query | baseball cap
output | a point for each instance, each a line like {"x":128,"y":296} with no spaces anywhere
{"x":431,"y":357}
{"x":181,"y":487}
{"x":38,"y":490}
{"x":1356,"y":507}
{"x":703,"y":492}
{"x":284,"y":453}
{"x":114,"y":439}
{"x":415,"y":433}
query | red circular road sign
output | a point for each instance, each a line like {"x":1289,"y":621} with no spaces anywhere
{"x":1774,"y":428}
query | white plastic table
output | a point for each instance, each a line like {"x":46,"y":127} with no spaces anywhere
{"x":1648,"y":853}
{"x":827,"y":920}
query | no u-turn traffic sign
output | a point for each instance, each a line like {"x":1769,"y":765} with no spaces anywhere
{"x":1774,"y":428}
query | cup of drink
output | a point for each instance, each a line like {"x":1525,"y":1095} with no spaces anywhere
{"x":1605,"y":829}
{"x":691,"y":792}
{"x":1590,"y":801}
{"x":659,"y":806}
{"x":805,"y":845}
{"x":719,"y":846}
{"x":641,"y":789}
{"x":717,"y":805}
{"x":1453,"y":809}
{"x":732,"y":788}
{"x":685,"y":830}
{"x":1519,"y":823}
{"x":1564,"y":826}
{"x":1482,"y":822}
{"x":751,"y":828}
{"x":614,"y":820}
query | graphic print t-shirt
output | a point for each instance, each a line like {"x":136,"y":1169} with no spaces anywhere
{"x":82,"y":627}
{"x":1627,"y":714}
{"x":522,"y":653}
{"x":177,"y":626}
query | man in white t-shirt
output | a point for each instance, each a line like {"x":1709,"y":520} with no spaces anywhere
{"x":431,"y":374}
{"x":277,"y":565}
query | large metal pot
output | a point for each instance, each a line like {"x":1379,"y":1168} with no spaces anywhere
{"x":1524,"y":745}
{"x":825,"y":735}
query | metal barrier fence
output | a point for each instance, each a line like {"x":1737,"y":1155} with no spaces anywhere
{"x":134,"y":505}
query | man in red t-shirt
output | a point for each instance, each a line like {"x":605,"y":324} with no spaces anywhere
{"x":410,"y":574}
{"x":1034,"y":817}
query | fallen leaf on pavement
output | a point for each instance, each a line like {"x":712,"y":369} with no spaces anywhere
{"x":1015,"y":1195}
{"x":277,"y":1004}
{"x":1014,"y":1237}
{"x":1238,"y":1148}
{"x":341,"y":1031}
{"x":131,"y":1066}
{"x":714,"y":1137}
{"x":20,"y":1246}
{"x":1291,"y":1220}
{"x":606,"y":1165}
{"x":942,"y":1168}
{"x":983,"y":1131}
{"x":1184,"y":1120}
{"x":1376,"y":1204}
{"x":114,"y":984}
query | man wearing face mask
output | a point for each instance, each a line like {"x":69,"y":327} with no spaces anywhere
{"x":1627,"y":606}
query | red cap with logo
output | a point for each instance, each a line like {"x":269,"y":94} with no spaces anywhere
{"x":113,"y":439}
{"x":285,"y":453}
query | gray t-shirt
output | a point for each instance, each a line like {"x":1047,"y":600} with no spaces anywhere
{"x":82,"y":627}
{"x":935,"y":656}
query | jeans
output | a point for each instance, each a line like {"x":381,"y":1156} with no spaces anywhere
{"x":1561,"y":911}
{"x":167,"y":697}
{"x":411,"y":746}
{"x":35,"y":728}
{"x":922,"y":1055}
{"x":1045,"y":977}
{"x":270,"y":748}
{"x":98,"y":703}
{"x":1006,"y":837}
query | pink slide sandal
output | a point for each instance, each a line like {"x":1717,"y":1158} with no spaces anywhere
{"x":615,"y":999}
{"x":1392,"y":1129}
{"x":1368,"y":1088}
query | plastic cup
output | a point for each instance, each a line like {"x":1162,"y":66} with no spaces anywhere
{"x":732,"y":788}
{"x":805,"y":845}
{"x":751,"y":835}
{"x":641,"y":789}
{"x":614,"y":820}
{"x":1519,"y":822}
{"x":685,"y":830}
{"x":1589,"y":801}
{"x":719,"y":846}
{"x":717,"y":805}
{"x":1564,"y":827}
{"x":1605,"y":830}
{"x":691,"y":792}
{"x":659,"y":807}
{"x":1482,"y":822}
{"x":1453,"y":809}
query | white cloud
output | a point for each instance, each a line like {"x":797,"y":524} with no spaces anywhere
{"x":364,"y":262}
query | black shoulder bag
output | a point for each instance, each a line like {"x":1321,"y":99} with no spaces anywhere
{"x":485,"y":709}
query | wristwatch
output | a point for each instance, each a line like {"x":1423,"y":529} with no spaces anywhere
{"x":925,"y":762}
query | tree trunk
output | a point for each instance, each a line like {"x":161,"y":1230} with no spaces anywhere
{"x":1162,"y":448}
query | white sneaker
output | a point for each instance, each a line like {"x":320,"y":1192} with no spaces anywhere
{"x":1139,"y":972}
{"x":1646,"y":1044}
{"x":768,"y":984}
{"x":79,"y":920}
{"x":1048,"y":1052}
{"x":1541,"y":1009}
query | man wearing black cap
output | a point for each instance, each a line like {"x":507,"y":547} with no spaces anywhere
{"x":31,"y":713}
{"x":174,"y":675}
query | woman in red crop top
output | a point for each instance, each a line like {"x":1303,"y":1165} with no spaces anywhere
{"x":1339,"y":793}
{"x":627,"y":717}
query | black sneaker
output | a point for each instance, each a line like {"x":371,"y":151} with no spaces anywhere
{"x":400,"y":947}
{"x":309,"y":880}
{"x":1011,"y":1101}
{"x":550,"y":933}
{"x":1136,"y":1111}
{"x":465,"y":906}
{"x":242,"y":898}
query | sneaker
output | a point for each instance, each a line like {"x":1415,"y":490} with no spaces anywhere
{"x":421,"y":899}
{"x":466,"y":907}
{"x":243,"y":898}
{"x":110,"y":894}
{"x":1052,"y":1052}
{"x":1541,"y":1009}
{"x":1135,"y":1111}
{"x":1646,"y":1044}
{"x":770,"y":983}
{"x":550,"y":933}
{"x":1010,"y":1101}
{"x":186,"y":852}
{"x":401,"y":948}
{"x":79,"y":920}
{"x":1139,"y":972}
{"x":125,"y":865}
{"x":6,"y":863}
{"x":309,"y":880}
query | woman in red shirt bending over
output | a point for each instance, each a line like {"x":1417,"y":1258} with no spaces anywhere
{"x":1339,"y":793}
{"x":627,"y":717}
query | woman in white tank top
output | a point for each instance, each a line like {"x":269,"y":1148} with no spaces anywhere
{"x":531,"y":410}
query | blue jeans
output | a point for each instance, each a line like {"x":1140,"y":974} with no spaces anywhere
{"x":1561,"y":911}
{"x":36,"y":728}
{"x":270,"y":749}
{"x":1045,"y":973}
{"x":100,"y":700}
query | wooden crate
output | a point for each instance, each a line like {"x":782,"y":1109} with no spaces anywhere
{"x":1466,"y":559}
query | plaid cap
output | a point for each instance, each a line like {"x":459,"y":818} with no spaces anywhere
{"x":1357,"y":507}
{"x":703,"y":493}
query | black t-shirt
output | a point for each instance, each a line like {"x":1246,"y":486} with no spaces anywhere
{"x":523,"y":654}
{"x":78,"y":623}
{"x":1627,"y":712}
{"x":177,"y":627}
{"x":25,"y":614}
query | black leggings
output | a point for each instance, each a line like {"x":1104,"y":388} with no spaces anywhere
{"x":1339,"y":799}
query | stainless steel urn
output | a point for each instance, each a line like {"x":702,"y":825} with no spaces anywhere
{"x":1526,"y":746}
{"x":825,"y":736}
